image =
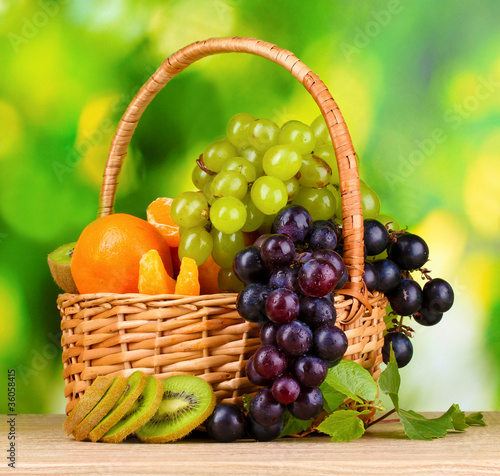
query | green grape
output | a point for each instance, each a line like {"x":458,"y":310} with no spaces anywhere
{"x":327,"y":153}
{"x":269,"y":194}
{"x":196,"y":243}
{"x":264,"y":134}
{"x":369,"y":201}
{"x":228,"y":214}
{"x":336,"y":193}
{"x":217,"y":153}
{"x":254,"y":157}
{"x":238,"y":129}
{"x":299,"y":135}
{"x":282,"y":161}
{"x":267,"y":224}
{"x":243,"y":166}
{"x":190,"y":209}
{"x":292,"y":187}
{"x":320,"y":130}
{"x":338,"y":210}
{"x":226,"y":247}
{"x":200,"y":178}
{"x":314,"y":172}
{"x":229,"y":184}
{"x":386,"y":220}
{"x":254,"y":216}
{"x":319,"y":202}
{"x":228,"y":282}
{"x":207,"y":191}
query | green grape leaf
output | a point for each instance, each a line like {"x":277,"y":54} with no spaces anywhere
{"x":475,"y":419}
{"x":294,"y":425}
{"x":417,"y":427}
{"x":352,"y":380}
{"x":247,"y":400}
{"x":458,"y":418}
{"x":343,"y":425}
{"x":332,"y":398}
{"x":389,"y":380}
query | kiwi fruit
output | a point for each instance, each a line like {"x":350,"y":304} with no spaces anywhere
{"x":187,"y":402}
{"x":139,"y":413}
{"x":60,"y":267}
{"x":135,"y":385}
{"x":106,"y":403}
{"x":86,"y":403}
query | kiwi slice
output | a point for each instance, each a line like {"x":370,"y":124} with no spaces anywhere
{"x":140,"y":412}
{"x":106,"y":403}
{"x":60,"y":267}
{"x":187,"y":402}
{"x":85,"y":405}
{"x":135,"y":386}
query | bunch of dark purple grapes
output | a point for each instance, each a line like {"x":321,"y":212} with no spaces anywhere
{"x":289,"y":278}
{"x":405,"y":253}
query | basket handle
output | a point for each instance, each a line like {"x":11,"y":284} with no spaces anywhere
{"x":344,"y":150}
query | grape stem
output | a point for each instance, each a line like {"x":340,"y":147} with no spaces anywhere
{"x":395,"y":234}
{"x":203,"y":167}
{"x":383,"y":417}
{"x":425,"y":273}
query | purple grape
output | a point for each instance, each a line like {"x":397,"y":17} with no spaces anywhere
{"x":426,"y":317}
{"x":294,"y":222}
{"x":263,"y":433}
{"x":254,"y":376}
{"x":258,"y":242}
{"x":371,"y":277}
{"x":308,"y":405}
{"x":265,"y":409}
{"x":318,"y":277}
{"x":310,"y":371}
{"x":406,"y":297}
{"x":285,"y":278}
{"x":330,"y":342}
{"x":343,"y":280}
{"x":438,"y":295}
{"x":333,"y":258}
{"x":409,"y":251}
{"x":294,"y":338}
{"x":389,"y":274}
{"x":323,"y":238}
{"x":402,"y":347}
{"x":251,"y":303}
{"x":317,"y":311}
{"x":376,"y":237}
{"x":285,"y":389}
{"x":249,"y":266}
{"x":226,"y":423}
{"x":277,"y":251}
{"x":282,"y":306}
{"x":329,"y":223}
{"x":268,"y":333}
{"x":270,"y":362}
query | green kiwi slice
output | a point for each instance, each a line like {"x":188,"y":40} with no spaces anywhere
{"x":140,"y":412}
{"x":101,"y":409}
{"x":60,"y":267}
{"x":187,"y":402}
{"x":135,"y":385}
{"x":85,"y":405}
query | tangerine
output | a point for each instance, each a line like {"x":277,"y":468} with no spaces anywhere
{"x":208,"y":274}
{"x":153,"y":278}
{"x":187,"y":281}
{"x":107,"y":254}
{"x":158,"y":214}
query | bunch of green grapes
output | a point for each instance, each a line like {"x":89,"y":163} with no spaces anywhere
{"x":245,"y":178}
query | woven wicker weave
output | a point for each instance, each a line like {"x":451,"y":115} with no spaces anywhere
{"x":116,"y":334}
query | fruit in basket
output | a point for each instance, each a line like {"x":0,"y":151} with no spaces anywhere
{"x":409,"y":251}
{"x":187,"y":402}
{"x":140,"y":412}
{"x":208,"y":273}
{"x":226,"y":423}
{"x":153,"y":278}
{"x":60,"y":267}
{"x":188,"y":281}
{"x":107,"y":254}
{"x":135,"y":385}
{"x":158,"y":214}
{"x":105,"y":404}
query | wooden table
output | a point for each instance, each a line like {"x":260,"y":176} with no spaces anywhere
{"x":43,"y":448}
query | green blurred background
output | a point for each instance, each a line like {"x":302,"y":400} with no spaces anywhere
{"x":419,"y":86}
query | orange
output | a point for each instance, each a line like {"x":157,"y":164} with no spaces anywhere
{"x":187,"y":281}
{"x":107,"y":254}
{"x":209,"y":273}
{"x":153,"y":278}
{"x":158,"y":214}
{"x":249,"y":237}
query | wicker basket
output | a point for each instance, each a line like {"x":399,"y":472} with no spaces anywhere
{"x":116,"y":334}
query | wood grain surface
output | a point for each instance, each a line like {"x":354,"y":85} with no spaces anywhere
{"x":43,"y":448}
